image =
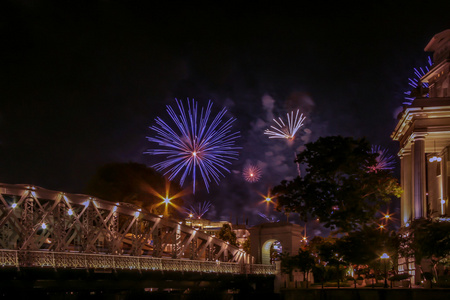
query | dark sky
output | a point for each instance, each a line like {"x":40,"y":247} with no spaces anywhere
{"x":81,"y":83}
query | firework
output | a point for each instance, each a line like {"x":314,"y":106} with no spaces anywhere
{"x":197,"y":146}
{"x":272,"y":219}
{"x":200,"y":210}
{"x":414,"y":82}
{"x":286,"y":131}
{"x":251,"y":173}
{"x":384,"y":161}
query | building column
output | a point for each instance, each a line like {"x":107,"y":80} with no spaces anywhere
{"x":445,"y":180}
{"x":406,"y":203}
{"x":419,"y":177}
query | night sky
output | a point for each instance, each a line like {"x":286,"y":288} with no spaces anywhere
{"x":80,"y":84}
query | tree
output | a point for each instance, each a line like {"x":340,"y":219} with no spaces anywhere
{"x":328,"y":253}
{"x":364,"y":246}
{"x":288,"y":264}
{"x":246,"y":245}
{"x":226,"y":234}
{"x":339,"y":187}
{"x":304,"y":262}
{"x":133,"y":183}
{"x":426,"y":238}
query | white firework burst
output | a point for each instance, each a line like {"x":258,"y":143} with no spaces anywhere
{"x":286,"y":130}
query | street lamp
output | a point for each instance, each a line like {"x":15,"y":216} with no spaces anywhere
{"x":385,"y":257}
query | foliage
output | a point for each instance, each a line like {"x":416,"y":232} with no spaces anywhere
{"x":228,"y":235}
{"x":288,"y":263}
{"x":132,"y":183}
{"x":329,"y":255}
{"x":303,"y":261}
{"x":246,"y":245}
{"x":364,"y":246}
{"x":319,"y":273}
{"x":338,"y":187}
{"x":426,"y":238}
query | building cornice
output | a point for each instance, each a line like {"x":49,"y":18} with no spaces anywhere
{"x":423,"y":116}
{"x":436,"y":71}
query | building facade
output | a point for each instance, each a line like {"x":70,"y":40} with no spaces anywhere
{"x":423,"y":133}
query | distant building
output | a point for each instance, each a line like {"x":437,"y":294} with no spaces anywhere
{"x":207,"y":226}
{"x":213,"y":227}
{"x":423,"y":133}
{"x":242,"y":232}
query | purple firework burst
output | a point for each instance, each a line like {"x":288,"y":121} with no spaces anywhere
{"x":251,"y":173}
{"x":384,"y":161}
{"x":201,"y":209}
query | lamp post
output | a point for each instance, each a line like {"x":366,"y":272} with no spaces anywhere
{"x":384,"y":258}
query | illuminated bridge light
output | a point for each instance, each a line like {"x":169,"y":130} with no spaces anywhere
{"x":14,"y":205}
{"x":70,"y":212}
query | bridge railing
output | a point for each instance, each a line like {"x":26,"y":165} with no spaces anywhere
{"x":58,"y":260}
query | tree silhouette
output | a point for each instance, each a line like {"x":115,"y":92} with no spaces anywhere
{"x":338,"y":187}
{"x":134,"y":183}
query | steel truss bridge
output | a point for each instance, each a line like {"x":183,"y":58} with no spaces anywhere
{"x":41,"y":228}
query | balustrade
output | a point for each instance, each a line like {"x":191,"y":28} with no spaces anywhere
{"x":12,"y":258}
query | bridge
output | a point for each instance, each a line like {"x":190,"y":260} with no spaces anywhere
{"x":43,"y":230}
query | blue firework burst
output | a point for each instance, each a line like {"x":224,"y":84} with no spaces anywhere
{"x":415,"y":82}
{"x":197,"y":144}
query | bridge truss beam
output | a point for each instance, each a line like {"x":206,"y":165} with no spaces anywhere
{"x":37,"y":219}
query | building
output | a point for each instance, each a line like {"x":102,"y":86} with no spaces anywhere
{"x":423,"y":133}
{"x":207,"y":226}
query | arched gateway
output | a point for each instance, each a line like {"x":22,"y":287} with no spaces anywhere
{"x":264,"y":236}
